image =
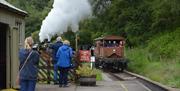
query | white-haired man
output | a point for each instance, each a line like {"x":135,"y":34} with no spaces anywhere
{"x":55,"y":48}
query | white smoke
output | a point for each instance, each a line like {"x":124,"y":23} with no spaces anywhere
{"x":64,"y":14}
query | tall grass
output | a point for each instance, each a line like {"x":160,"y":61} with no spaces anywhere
{"x":159,"y":60}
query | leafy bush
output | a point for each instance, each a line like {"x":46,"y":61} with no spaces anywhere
{"x":161,"y":56}
{"x":151,"y":67}
{"x":166,"y":46}
{"x":85,"y":70}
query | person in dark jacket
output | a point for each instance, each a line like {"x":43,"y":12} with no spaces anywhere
{"x":55,"y":48}
{"x":28,"y":66}
{"x":64,"y":56}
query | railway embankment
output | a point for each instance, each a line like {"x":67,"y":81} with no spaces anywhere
{"x":159,"y":59}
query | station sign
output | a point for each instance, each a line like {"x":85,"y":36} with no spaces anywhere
{"x":85,"y":56}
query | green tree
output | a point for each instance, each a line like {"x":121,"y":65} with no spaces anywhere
{"x":37,"y":11}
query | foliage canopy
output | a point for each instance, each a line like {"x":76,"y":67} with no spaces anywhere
{"x":136,"y":20}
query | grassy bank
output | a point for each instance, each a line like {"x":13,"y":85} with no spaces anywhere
{"x":159,"y":60}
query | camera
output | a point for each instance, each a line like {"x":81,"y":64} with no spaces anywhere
{"x":35,"y":47}
{"x":42,"y":46}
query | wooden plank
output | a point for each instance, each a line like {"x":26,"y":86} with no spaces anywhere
{"x":42,"y":74}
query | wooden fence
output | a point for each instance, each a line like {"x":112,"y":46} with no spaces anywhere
{"x":46,"y":69}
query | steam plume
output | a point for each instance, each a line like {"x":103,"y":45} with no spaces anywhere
{"x":64,"y":14}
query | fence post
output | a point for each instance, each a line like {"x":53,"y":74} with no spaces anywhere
{"x":48,"y":72}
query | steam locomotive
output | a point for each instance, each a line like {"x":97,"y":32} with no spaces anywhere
{"x":109,"y":52}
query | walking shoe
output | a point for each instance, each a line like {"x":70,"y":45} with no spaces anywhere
{"x":56,"y":83}
{"x":60,"y":86}
{"x":66,"y":85}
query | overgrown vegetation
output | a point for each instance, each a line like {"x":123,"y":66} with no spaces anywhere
{"x":160,"y":60}
{"x":137,"y":20}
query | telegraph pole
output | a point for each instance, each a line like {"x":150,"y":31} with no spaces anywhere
{"x":76,"y":40}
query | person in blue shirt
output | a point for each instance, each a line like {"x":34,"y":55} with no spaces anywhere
{"x":64,"y":56}
{"x":55,"y":48}
{"x":28,"y":66}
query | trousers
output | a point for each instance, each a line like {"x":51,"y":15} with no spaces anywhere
{"x":55,"y":72}
{"x":63,"y":77}
{"x":27,"y":85}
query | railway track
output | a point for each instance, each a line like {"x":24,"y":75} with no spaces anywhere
{"x":148,"y":84}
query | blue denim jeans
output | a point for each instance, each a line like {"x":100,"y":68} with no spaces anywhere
{"x":55,"y":72}
{"x":27,"y":85}
{"x":63,"y":77}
